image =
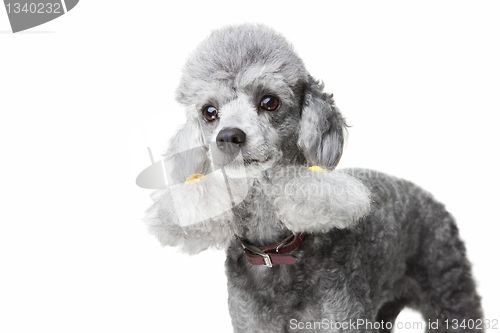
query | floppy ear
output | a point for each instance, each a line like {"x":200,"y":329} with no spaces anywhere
{"x":188,"y":152}
{"x":318,"y":201}
{"x":164,"y":222}
{"x":193,"y":213}
{"x":321,"y":132}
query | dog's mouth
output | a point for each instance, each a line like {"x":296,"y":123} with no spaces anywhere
{"x":250,"y":161}
{"x":255,"y":166}
{"x":262,"y":162}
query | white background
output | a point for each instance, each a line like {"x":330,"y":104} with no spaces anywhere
{"x":82,"y":96}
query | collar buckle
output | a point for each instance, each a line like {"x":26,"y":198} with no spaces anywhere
{"x":267,"y":260}
{"x":259,"y":252}
{"x":273,"y":254}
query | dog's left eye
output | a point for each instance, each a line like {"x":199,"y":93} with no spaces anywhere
{"x":269,"y":103}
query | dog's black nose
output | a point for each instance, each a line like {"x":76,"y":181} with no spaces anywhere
{"x":229,"y":140}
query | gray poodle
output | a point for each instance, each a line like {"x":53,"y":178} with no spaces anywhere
{"x":309,"y":248}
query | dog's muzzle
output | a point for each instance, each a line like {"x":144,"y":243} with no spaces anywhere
{"x":230,"y":140}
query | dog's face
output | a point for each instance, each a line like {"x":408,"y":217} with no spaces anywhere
{"x":245,"y":88}
{"x":258,"y":114}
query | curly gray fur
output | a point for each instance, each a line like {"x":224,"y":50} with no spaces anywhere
{"x":375,"y":243}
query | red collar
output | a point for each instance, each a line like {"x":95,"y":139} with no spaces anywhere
{"x":277,"y":254}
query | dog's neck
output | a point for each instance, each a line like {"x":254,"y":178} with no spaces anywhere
{"x":256,"y":219}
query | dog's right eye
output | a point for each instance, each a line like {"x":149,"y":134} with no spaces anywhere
{"x":209,"y":113}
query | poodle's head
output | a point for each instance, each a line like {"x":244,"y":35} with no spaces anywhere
{"x":245,"y":88}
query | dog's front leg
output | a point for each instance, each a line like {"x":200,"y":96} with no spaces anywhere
{"x":334,"y":308}
{"x":346,"y":308}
